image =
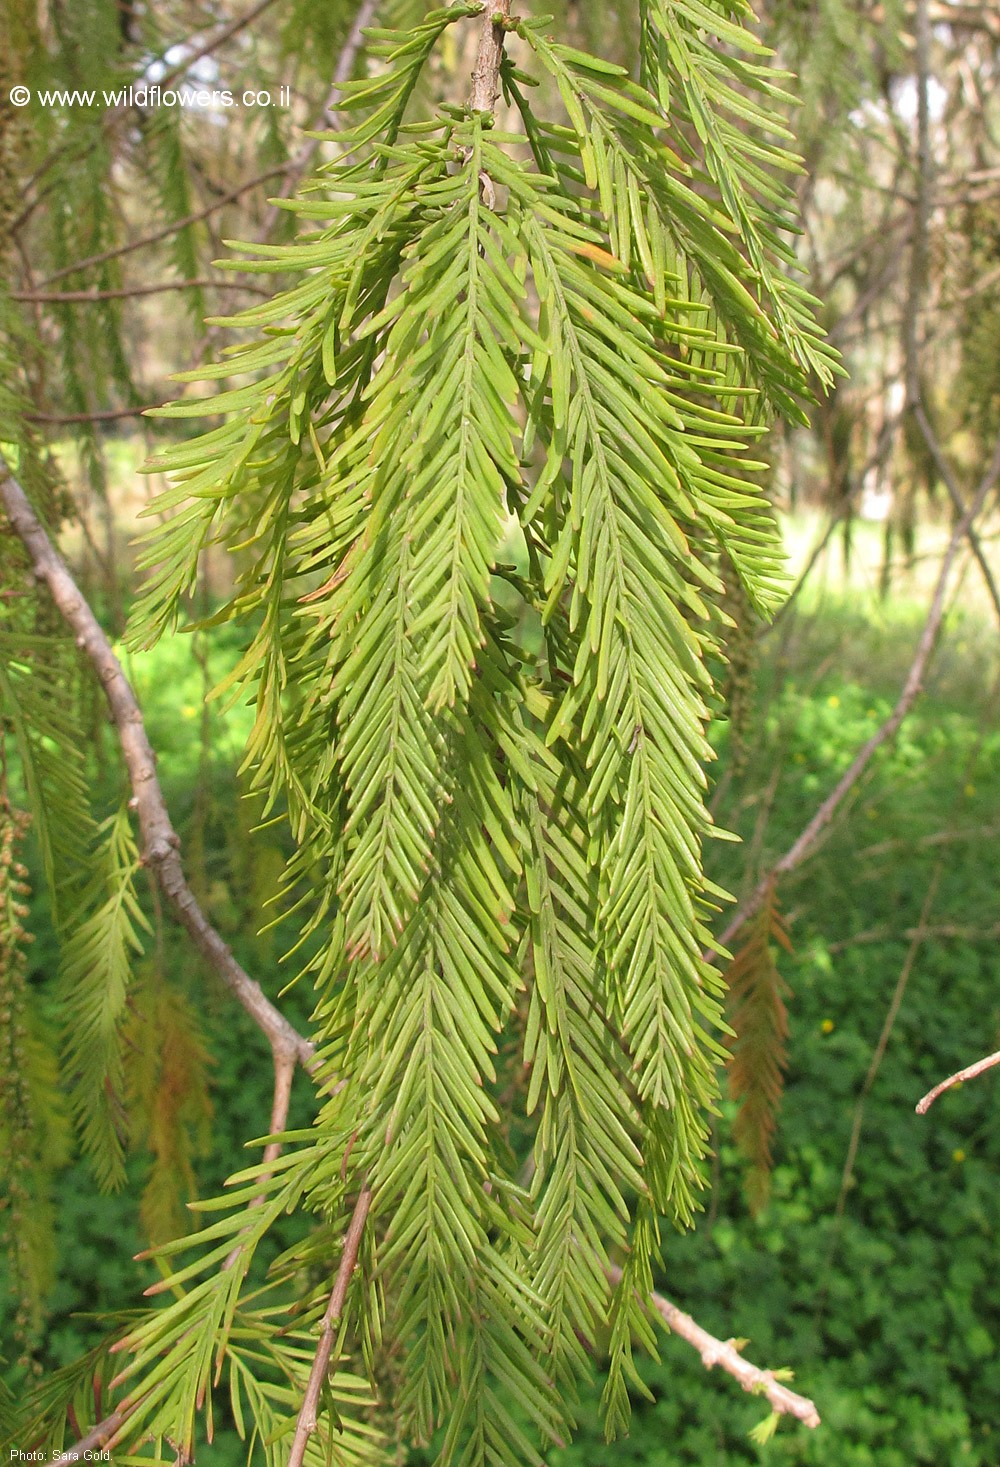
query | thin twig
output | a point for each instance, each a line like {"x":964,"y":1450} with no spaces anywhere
{"x":723,"y":1352}
{"x":486,"y":73}
{"x":159,"y":839}
{"x":126,"y":292}
{"x":954,"y":494}
{"x":920,"y":935}
{"x":935,"y":838}
{"x":97,"y":1438}
{"x":284,"y":1073}
{"x":806,"y":841}
{"x":844,"y":508}
{"x":309,"y":1411}
{"x":969,"y":1073}
{"x":99,"y":415}
{"x":940,"y":930}
{"x":328,"y":117}
{"x":167,"y":230}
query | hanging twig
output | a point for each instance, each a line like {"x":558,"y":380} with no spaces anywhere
{"x":329,"y":117}
{"x":954,"y":494}
{"x":309,"y":1411}
{"x":920,"y":935}
{"x":844,"y":508}
{"x":723,"y":1352}
{"x":167,"y":230}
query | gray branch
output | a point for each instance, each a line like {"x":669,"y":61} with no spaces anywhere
{"x":160,"y":842}
{"x":486,"y":75}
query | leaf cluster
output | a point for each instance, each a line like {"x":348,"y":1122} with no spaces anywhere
{"x":559,"y":340}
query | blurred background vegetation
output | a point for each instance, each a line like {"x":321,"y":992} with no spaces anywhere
{"x":868,"y":1262}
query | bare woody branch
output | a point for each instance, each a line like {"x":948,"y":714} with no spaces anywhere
{"x":127,"y":292}
{"x":960,"y":1076}
{"x":160,"y":842}
{"x":486,"y":75}
{"x":309,"y":1411}
{"x":96,"y":1439}
{"x":168,"y":229}
{"x":917,"y":940}
{"x":807,"y":839}
{"x":954,"y":494}
{"x":723,"y":1352}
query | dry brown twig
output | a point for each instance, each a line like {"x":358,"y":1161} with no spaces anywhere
{"x":960,"y":1076}
{"x":723,"y":1352}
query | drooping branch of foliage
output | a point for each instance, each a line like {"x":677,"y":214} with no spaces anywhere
{"x":160,"y":842}
{"x":756,"y":1012}
{"x":804,"y":844}
{"x":19,"y":1147}
{"x":477,"y":476}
